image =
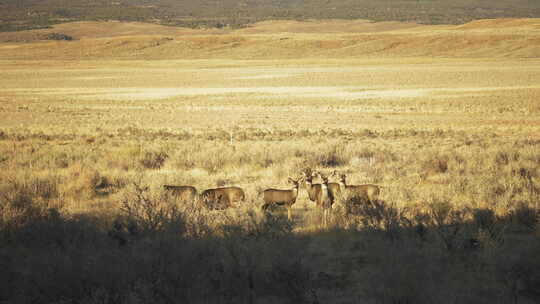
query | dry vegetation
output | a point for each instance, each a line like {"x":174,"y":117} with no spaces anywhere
{"x":273,"y":40}
{"x":85,"y":147}
{"x":29,"y":14}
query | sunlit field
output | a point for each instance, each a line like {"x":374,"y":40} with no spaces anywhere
{"x":87,"y":145}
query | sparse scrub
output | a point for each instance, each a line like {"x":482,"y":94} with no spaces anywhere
{"x":333,"y":155}
{"x":25,"y":205}
{"x":151,"y":213}
{"x":32,"y":187}
{"x":153,"y":159}
{"x":85,"y":218}
{"x":57,"y":36}
{"x":448,"y":223}
{"x":376,"y":214}
{"x":245,"y":254}
{"x":525,"y":216}
{"x":436,"y":164}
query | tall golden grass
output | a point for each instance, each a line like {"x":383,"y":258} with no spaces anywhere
{"x":86,"y":146}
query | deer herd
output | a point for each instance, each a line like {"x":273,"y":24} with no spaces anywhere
{"x":324,"y":194}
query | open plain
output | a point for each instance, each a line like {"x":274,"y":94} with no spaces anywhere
{"x":445,"y":118}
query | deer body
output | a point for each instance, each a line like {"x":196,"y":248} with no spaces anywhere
{"x":334,"y":190}
{"x":367,"y":191}
{"x":184,"y":193}
{"x":222,"y":198}
{"x":281,"y":197}
{"x":312,"y":189}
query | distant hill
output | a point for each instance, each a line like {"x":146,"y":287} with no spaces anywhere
{"x":494,"y":38}
{"x":32,"y":14}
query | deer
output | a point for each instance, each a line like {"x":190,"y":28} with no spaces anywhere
{"x":282,"y":197}
{"x":368,"y":192}
{"x":222,"y":198}
{"x":334,"y":190}
{"x":325,"y":199}
{"x":312,"y":189}
{"x":184,"y":193}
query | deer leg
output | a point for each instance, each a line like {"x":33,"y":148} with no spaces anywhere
{"x":326,"y":213}
{"x":289,"y":214}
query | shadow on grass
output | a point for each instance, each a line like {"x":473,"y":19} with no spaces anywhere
{"x":171,"y":254}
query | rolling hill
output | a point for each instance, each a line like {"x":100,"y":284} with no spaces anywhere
{"x":31,"y":14}
{"x":513,"y":38}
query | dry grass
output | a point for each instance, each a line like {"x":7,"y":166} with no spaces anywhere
{"x":85,"y":147}
{"x":499,"y":38}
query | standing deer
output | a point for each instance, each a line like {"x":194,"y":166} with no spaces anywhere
{"x":222,"y":198}
{"x":335,"y":191}
{"x":282,"y":197}
{"x":368,"y":192}
{"x":184,"y":193}
{"x":312,"y":189}
{"x":325,"y":200}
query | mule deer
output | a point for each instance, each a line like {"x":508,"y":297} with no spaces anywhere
{"x":282,"y":197}
{"x":184,"y":193}
{"x":368,"y":192}
{"x":325,"y":199}
{"x":312,"y":189}
{"x":335,"y":190}
{"x":222,"y":198}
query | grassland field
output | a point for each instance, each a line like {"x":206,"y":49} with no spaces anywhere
{"x":86,"y":135}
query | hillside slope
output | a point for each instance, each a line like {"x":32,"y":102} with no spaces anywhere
{"x":32,"y":14}
{"x":515,"y":38}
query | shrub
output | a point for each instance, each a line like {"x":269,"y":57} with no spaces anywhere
{"x":23,"y":206}
{"x":502,"y":158}
{"x":149,"y":213}
{"x":525,"y":216}
{"x":97,"y":182}
{"x":57,"y":36}
{"x":448,"y":223}
{"x":376,"y":215}
{"x":436,"y":164}
{"x":153,"y":159}
{"x":484,"y":218}
{"x":41,"y":188}
{"x":335,"y":156}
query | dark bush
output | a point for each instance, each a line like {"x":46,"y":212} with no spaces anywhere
{"x":436,"y":164}
{"x":57,"y":36}
{"x":524,"y":216}
{"x":153,"y":159}
{"x":334,"y":157}
{"x":85,"y":260}
{"x":151,"y":214}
